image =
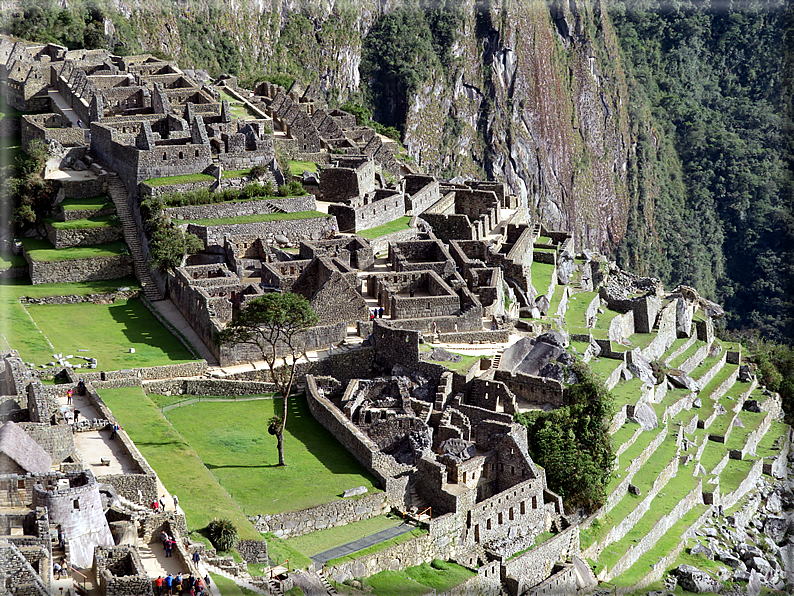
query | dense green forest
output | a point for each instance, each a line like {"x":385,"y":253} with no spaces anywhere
{"x":717,"y":82}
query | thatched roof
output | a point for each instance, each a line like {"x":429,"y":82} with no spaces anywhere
{"x":18,"y":446}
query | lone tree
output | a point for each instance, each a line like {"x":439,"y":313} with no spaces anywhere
{"x":272,"y":323}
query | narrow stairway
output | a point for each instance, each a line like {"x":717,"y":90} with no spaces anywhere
{"x":118,"y":193}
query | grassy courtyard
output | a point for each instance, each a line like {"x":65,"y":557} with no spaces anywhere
{"x":401,"y":223}
{"x":107,"y":331}
{"x":240,"y":453}
{"x":43,"y":251}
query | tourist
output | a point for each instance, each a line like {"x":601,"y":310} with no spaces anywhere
{"x":79,"y":123}
{"x":169,"y":546}
{"x":159,"y":583}
{"x":69,"y":397}
{"x":116,"y":429}
{"x":61,"y":539}
{"x":178,"y":583}
{"x":196,"y":558}
{"x":76,"y":415}
{"x":176,"y":501}
{"x":412,"y":292}
{"x":162,"y":502}
{"x":57,"y":569}
{"x":155,"y":505}
{"x":169,"y":582}
{"x":164,"y":534}
{"x":380,"y":312}
{"x":81,"y":387}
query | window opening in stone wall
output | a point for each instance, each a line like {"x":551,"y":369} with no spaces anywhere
{"x":488,"y":524}
{"x":534,"y":502}
{"x":477,"y":533}
{"x":181,"y":155}
{"x":197,"y":152}
{"x":511,"y":515}
{"x":500,"y":518}
{"x":523,"y":507}
{"x":165,"y":156}
{"x":76,"y":503}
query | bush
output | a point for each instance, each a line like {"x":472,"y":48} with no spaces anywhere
{"x":258,"y":171}
{"x":222,"y":533}
{"x":292,"y":189}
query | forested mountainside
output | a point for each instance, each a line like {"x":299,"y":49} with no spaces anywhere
{"x":657,"y":132}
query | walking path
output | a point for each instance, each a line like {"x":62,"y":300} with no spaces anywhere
{"x":362,"y":543}
{"x":173,"y":316}
{"x":56,"y":98}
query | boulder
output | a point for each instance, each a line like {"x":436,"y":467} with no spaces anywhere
{"x":79,"y":166}
{"x":700,"y":549}
{"x":786,"y":554}
{"x":354,"y":492}
{"x":565,"y":268}
{"x":645,"y":416}
{"x":281,"y":239}
{"x":442,"y":355}
{"x":754,"y":584}
{"x":697,"y":403}
{"x":745,"y":373}
{"x":775,"y":528}
{"x":684,"y":381}
{"x":752,"y":405}
{"x":760,"y":565}
{"x":694,"y":580}
{"x":634,"y":490}
{"x":730,"y":560}
{"x":640,"y":367}
{"x":683,"y":318}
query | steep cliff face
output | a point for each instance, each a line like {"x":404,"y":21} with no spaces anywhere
{"x":536,"y":94}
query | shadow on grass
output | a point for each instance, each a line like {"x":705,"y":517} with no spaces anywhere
{"x":140,"y":327}
{"x":216,"y":467}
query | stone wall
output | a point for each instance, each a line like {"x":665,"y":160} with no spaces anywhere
{"x":498,"y":336}
{"x":184,"y":369}
{"x":94,"y":269}
{"x":61,"y":238}
{"x":294,"y":230}
{"x":145,"y":190}
{"x":328,"y":515}
{"x":252,"y":207}
{"x":534,"y":566}
{"x":536,"y":390}
{"x":56,"y":440}
{"x":45,"y":127}
{"x":212,"y":387}
{"x":384,"y":208}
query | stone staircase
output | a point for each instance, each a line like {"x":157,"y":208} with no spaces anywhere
{"x":118,"y":193}
{"x":327,"y":584}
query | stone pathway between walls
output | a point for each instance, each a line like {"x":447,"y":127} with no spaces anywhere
{"x":362,"y":543}
{"x":175,"y":317}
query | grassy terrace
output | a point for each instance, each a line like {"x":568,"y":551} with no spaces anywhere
{"x":690,"y":351}
{"x":605,"y":319}
{"x":574,"y":316}
{"x":647,"y":474}
{"x":598,"y":531}
{"x":641,"y":340}
{"x":554,"y":301}
{"x":401,"y":223}
{"x":462,"y":367}
{"x":770,"y":444}
{"x":244,"y":219}
{"x":623,"y":434}
{"x":86,"y":204}
{"x":739,"y":434}
{"x":672,"y":396}
{"x":184,"y":179}
{"x":675,"y":490}
{"x":636,"y":448}
{"x":627,"y":392}
{"x":708,"y":363}
{"x":238,"y":108}
{"x":101,"y":221}
{"x":665,"y":545}
{"x":323,"y":540}
{"x":541,"y":277}
{"x":604,"y":366}
{"x":43,"y":251}
{"x":436,"y":577}
{"x":677,"y":343}
{"x":376,"y":548}
{"x":8,"y":260}
{"x":712,"y":455}
{"x":235,"y":173}
{"x":296,"y":167}
{"x":175,"y":461}
{"x":243,"y":457}
{"x":734,"y":472}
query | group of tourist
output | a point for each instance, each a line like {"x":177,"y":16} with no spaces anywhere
{"x":377,"y":313}
{"x":171,"y":585}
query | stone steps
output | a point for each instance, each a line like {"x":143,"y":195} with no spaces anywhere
{"x":237,"y":580}
{"x":118,"y":194}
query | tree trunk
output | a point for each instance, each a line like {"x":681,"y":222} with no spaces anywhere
{"x":280,"y":440}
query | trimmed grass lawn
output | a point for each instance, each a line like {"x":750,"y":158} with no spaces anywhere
{"x":770,"y":444}
{"x":296,"y":167}
{"x":577,"y":305}
{"x":238,"y":108}
{"x":279,"y":552}
{"x":541,"y":277}
{"x":179,"y":467}
{"x":235,"y":173}
{"x":627,"y":392}
{"x":100,"y":221}
{"x":463,"y":366}
{"x":690,"y":351}
{"x":401,"y":539}
{"x":184,"y":179}
{"x":8,"y":260}
{"x":16,"y":327}
{"x":401,"y":223}
{"x":240,"y":453}
{"x":107,"y":331}
{"x":75,"y":204}
{"x":43,"y":251}
{"x":604,"y":366}
{"x":227,"y":587}
{"x":440,"y":575}
{"x":319,"y":542}
{"x":243,"y":219}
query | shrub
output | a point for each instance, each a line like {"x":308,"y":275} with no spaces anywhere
{"x":222,"y":533}
{"x":258,"y":171}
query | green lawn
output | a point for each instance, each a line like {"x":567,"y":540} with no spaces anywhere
{"x":541,"y":277}
{"x":238,"y":108}
{"x":243,"y":457}
{"x":296,"y":168}
{"x":243,"y":219}
{"x":228,"y":588}
{"x":577,"y":305}
{"x":235,"y":173}
{"x":16,"y":327}
{"x":179,"y":467}
{"x":106,"y":330}
{"x":627,"y":392}
{"x":690,"y":351}
{"x":100,"y":221}
{"x":43,"y":251}
{"x":184,"y":179}
{"x":401,"y":223}
{"x":467,"y":360}
{"x":401,"y":539}
{"x":323,"y":540}
{"x":85,"y":204}
{"x":440,"y":575}
{"x":8,"y":260}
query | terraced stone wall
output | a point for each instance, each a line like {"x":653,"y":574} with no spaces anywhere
{"x":531,"y":568}
{"x":95,"y":269}
{"x":294,"y":230}
{"x":61,"y":238}
{"x":254,"y":207}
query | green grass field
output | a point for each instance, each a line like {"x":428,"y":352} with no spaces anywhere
{"x":440,"y":576}
{"x":175,"y":461}
{"x":185,"y":179}
{"x":577,"y":305}
{"x":85,"y":204}
{"x":240,"y":453}
{"x":541,"y":277}
{"x":8,"y":260}
{"x":43,"y":251}
{"x":235,"y":173}
{"x":323,"y":540}
{"x":238,"y":108}
{"x":106,"y":331}
{"x":296,"y":168}
{"x":100,"y":221}
{"x":243,"y":219}
{"x":401,"y":223}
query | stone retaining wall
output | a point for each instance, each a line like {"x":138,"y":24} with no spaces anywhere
{"x":695,"y":359}
{"x":328,"y":515}
{"x":133,"y":376}
{"x":381,"y":243}
{"x":294,"y":230}
{"x":235,"y":209}
{"x":395,"y":558}
{"x":534,"y":566}
{"x":498,"y":336}
{"x":83,"y":236}
{"x":145,"y":190}
{"x":746,"y":485}
{"x":208,"y":387}
{"x":94,"y":269}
